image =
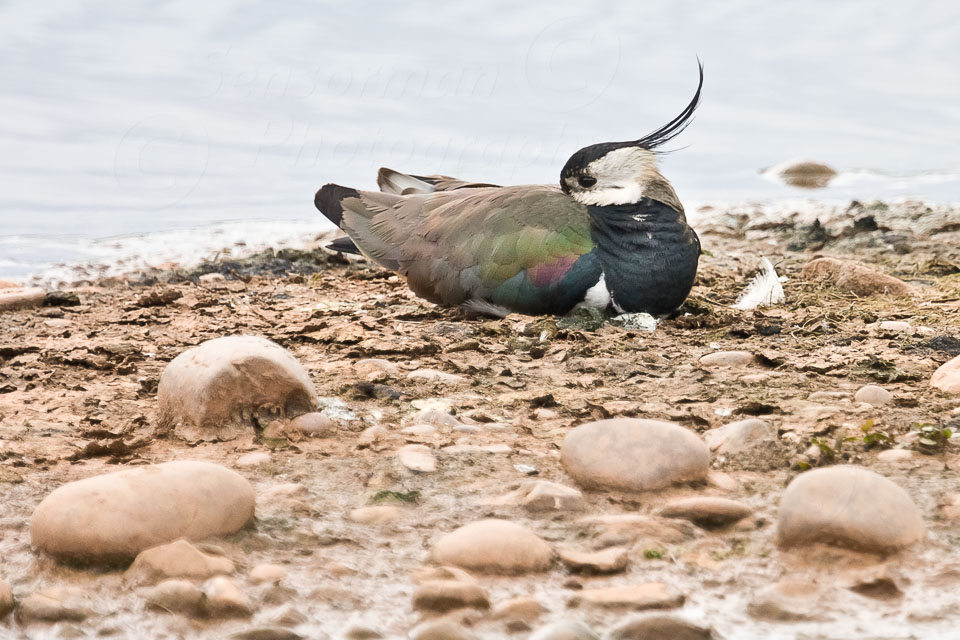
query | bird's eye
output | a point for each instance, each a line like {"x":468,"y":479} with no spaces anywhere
{"x":587,"y":181}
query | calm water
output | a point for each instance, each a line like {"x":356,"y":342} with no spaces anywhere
{"x":166,"y":130}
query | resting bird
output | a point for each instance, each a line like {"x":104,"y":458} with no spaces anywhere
{"x":613,"y":234}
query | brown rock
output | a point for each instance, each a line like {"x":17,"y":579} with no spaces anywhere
{"x":949,"y":506}
{"x":854,"y":278}
{"x":707,"y":512}
{"x":14,"y":298}
{"x":947,"y":377}
{"x":267,"y":573}
{"x":55,"y":604}
{"x":315,"y":424}
{"x":178,"y":559}
{"x":807,"y":174}
{"x":651,"y":595}
{"x":6,"y":598}
{"x":175,"y":596}
{"x":659,"y":627}
{"x":791,"y":599}
{"x":493,"y":546}
{"x":633,"y":455}
{"x":522,"y":609}
{"x":849,"y":507}
{"x":609,"y":560}
{"x":446,"y":595}
{"x":417,"y":457}
{"x":148,"y":506}
{"x":440,"y":630}
{"x":426,"y":574}
{"x":632,"y":527}
{"x":213,"y":391}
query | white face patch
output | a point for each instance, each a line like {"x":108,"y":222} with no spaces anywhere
{"x":622,"y":176}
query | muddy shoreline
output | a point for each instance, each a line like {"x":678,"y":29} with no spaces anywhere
{"x":77,"y":398}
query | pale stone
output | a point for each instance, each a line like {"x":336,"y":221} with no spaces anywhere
{"x":434,"y":375}
{"x":707,"y":512}
{"x":54,"y":604}
{"x":896,"y":456}
{"x":380,"y":514}
{"x":14,"y":298}
{"x":446,"y":595}
{"x":854,"y":278}
{"x":633,"y":455}
{"x":315,"y":424}
{"x":947,"y":377}
{"x":609,"y":560}
{"x":849,"y":507}
{"x":266,"y":633}
{"x":440,"y":630}
{"x":828,"y":396}
{"x":254,"y":459}
{"x":741,"y":436}
{"x":895,"y":326}
{"x":791,"y":599}
{"x":728,"y":359}
{"x":651,"y":595}
{"x":371,"y":365}
{"x":417,"y":457}
{"x":872,"y":394}
{"x":178,"y":559}
{"x":565,"y":631}
{"x":659,"y":627}
{"x":215,"y":390}
{"x":148,"y":506}
{"x":521,"y":609}
{"x":420,"y":430}
{"x":175,"y":596}
{"x":493,"y":546}
{"x":541,"y":495}
{"x":224,"y":599}
{"x":424,"y":574}
{"x":949,"y":506}
{"x":437,"y":417}
{"x":267,"y":573}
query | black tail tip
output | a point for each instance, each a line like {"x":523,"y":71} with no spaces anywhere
{"x":328,"y":199}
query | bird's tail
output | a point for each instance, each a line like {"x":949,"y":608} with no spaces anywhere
{"x":329,"y":200}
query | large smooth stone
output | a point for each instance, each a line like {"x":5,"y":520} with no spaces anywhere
{"x":849,"y":507}
{"x":947,"y":377}
{"x":215,"y":390}
{"x":493,"y":546}
{"x":15,"y":298}
{"x":117,"y":515}
{"x":633,"y":454}
{"x":854,"y":278}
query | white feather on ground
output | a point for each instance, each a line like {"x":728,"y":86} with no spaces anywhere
{"x":765,"y":289}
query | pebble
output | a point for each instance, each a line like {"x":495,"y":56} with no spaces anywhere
{"x":175,"y":596}
{"x":828,"y":396}
{"x":849,"y":507}
{"x":791,"y":599}
{"x":421,"y":430}
{"x":254,"y":459}
{"x":633,"y":454}
{"x":493,"y":546}
{"x":874,"y":395}
{"x":286,"y":615}
{"x":178,"y":559}
{"x":14,"y":298}
{"x":520,"y":609}
{"x":437,"y":417}
{"x":707,"y":512}
{"x":895,"y":326}
{"x":425,"y":574}
{"x":947,"y":377}
{"x":380,"y":514}
{"x":440,"y":630}
{"x":565,"y":631}
{"x":740,"y":436}
{"x":359,"y":631}
{"x":435,"y":375}
{"x":949,"y":506}
{"x":315,"y":424}
{"x":728,"y":359}
{"x":6,"y":598}
{"x":267,"y":573}
{"x":895,"y":456}
{"x":659,"y":627}
{"x":650,"y":595}
{"x":854,"y":278}
{"x":149,"y":505}
{"x":212,"y":391}
{"x":372,"y":434}
{"x":55,"y":604}
{"x":266,"y":633}
{"x":807,"y":174}
{"x":446,"y":595}
{"x":417,"y":457}
{"x":636,"y":526}
{"x":225,"y":599}
{"x":542,"y":495}
{"x":609,"y":560}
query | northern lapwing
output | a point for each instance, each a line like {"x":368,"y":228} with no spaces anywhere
{"x":613,"y":234}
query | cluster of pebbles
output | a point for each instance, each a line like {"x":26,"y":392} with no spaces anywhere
{"x":153,"y":520}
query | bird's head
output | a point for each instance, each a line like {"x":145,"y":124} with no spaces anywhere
{"x":623,"y":172}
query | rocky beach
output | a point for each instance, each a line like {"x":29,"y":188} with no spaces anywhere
{"x":292,"y":445}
